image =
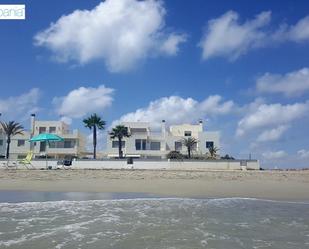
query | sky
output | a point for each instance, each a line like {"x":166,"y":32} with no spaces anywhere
{"x":240,"y":66}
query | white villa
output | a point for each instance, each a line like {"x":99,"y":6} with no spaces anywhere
{"x":73,"y":144}
{"x":145,"y":143}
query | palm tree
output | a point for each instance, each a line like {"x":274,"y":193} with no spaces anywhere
{"x":190,"y":143}
{"x":11,"y":128}
{"x":94,"y":122}
{"x":119,"y":132}
{"x":213,"y":152}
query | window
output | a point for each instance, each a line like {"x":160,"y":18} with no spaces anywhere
{"x":1,"y":142}
{"x":188,"y":133}
{"x":178,"y":146}
{"x":52,"y":144}
{"x":20,"y":142}
{"x":140,"y":144}
{"x":115,"y":144}
{"x":42,"y":130}
{"x":52,"y":129}
{"x":155,"y":145}
{"x":209,"y":144}
{"x":194,"y":147}
{"x":69,"y":144}
{"x":42,"y":146}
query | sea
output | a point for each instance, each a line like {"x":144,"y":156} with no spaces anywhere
{"x":41,"y":220}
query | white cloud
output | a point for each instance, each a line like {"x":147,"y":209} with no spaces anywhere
{"x":272,"y":134}
{"x":83,"y":100}
{"x":226,"y":36}
{"x":274,"y":154}
{"x":121,"y":32}
{"x":267,"y":115}
{"x":20,"y":107}
{"x":66,"y":120}
{"x":297,"y":33}
{"x":171,"y":45}
{"x":294,"y":83}
{"x":176,"y":110}
{"x":303,"y":153}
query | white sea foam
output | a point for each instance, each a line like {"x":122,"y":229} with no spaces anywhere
{"x":193,"y":223}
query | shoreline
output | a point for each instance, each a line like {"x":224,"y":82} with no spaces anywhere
{"x":271,"y":185}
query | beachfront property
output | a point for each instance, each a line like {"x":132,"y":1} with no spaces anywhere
{"x":72,"y":146}
{"x":145,"y":143}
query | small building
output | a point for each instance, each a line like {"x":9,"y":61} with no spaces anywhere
{"x":145,"y":143}
{"x":72,"y":146}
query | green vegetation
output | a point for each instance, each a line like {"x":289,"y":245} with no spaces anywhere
{"x":190,"y":143}
{"x":11,"y":128}
{"x":94,"y":122}
{"x":119,"y":132}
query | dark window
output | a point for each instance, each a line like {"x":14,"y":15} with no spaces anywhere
{"x":178,"y":146}
{"x":115,"y":144}
{"x":155,"y":145}
{"x":69,"y":144}
{"x":140,"y":144}
{"x":209,"y":144}
{"x":52,"y":129}
{"x":52,"y":144}
{"x":42,"y":130}
{"x":1,"y":142}
{"x":20,"y":142}
{"x":188,"y":133}
{"x":42,"y":146}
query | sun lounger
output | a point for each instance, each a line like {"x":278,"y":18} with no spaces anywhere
{"x":27,"y":160}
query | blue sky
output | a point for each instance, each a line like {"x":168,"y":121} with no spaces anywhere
{"x":242,"y":67}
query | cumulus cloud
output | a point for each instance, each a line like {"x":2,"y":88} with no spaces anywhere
{"x":84,"y":100}
{"x":20,"y":107}
{"x":171,"y":45}
{"x":303,"y":153}
{"x":121,"y":33}
{"x":274,"y":154}
{"x":294,"y":83}
{"x":66,"y":120}
{"x":176,"y":110}
{"x":226,"y":36}
{"x":272,"y":134}
{"x":267,"y":115}
{"x":297,"y":33}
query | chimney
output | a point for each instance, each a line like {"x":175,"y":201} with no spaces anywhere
{"x":163,"y":128}
{"x":200,"y":122}
{"x":32,"y":123}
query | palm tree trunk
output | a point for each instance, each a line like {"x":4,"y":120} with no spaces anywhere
{"x":120,"y":147}
{"x":189,"y":153}
{"x":94,"y":142}
{"x":8,"y":148}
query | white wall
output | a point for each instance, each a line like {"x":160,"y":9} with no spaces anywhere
{"x":164,"y":164}
{"x":153,"y":165}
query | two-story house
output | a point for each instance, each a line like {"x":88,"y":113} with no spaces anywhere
{"x":72,"y":145}
{"x":145,"y":143}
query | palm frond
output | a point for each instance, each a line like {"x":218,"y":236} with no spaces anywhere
{"x":94,"y":120}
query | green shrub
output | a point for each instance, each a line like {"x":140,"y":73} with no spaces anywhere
{"x":174,"y":155}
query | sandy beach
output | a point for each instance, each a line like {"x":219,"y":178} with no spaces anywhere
{"x":276,"y":185}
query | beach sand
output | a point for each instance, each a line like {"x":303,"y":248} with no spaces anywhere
{"x":275,"y":185}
